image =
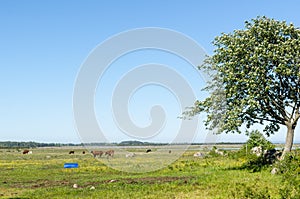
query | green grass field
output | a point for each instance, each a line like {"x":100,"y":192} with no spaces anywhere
{"x":42,"y":175}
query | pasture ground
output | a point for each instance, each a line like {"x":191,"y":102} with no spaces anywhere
{"x":42,"y":175}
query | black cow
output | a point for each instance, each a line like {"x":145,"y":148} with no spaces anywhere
{"x":148,"y":150}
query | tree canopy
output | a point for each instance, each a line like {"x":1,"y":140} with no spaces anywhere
{"x":255,"y":79}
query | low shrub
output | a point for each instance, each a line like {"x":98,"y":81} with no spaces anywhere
{"x":255,"y":162}
{"x":256,"y":139}
{"x":244,"y":191}
{"x":289,"y":168}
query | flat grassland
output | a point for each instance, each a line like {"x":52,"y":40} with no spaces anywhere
{"x":42,"y":175}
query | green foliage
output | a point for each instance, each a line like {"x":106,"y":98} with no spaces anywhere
{"x":255,"y":78}
{"x":289,"y":167}
{"x":257,"y":139}
{"x":244,"y":191}
{"x":255,"y":163}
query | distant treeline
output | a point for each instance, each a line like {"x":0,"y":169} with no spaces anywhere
{"x":139,"y":143}
{"x":11,"y":144}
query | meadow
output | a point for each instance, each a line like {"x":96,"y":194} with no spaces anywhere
{"x":42,"y":175}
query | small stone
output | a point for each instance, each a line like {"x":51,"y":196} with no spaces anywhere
{"x":274,"y":171}
{"x":198,"y":154}
{"x":130,"y":155}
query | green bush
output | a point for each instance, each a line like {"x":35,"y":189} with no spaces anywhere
{"x":254,"y":163}
{"x":244,"y":191}
{"x":257,"y":139}
{"x":289,"y":168}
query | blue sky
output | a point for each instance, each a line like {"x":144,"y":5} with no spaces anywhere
{"x":44,"y":43}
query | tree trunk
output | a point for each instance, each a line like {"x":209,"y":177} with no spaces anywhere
{"x":289,"y":139}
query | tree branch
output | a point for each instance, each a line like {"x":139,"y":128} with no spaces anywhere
{"x":280,"y":107}
{"x":269,"y":120}
{"x":271,"y":112}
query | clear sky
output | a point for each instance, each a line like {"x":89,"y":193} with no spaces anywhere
{"x":44,"y":43}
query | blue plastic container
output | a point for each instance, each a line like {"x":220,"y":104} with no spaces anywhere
{"x":71,"y":165}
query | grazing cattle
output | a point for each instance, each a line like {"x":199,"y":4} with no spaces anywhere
{"x":148,"y":150}
{"x":72,"y":152}
{"x":110,"y":153}
{"x":83,"y":152}
{"x":170,"y":151}
{"x":26,"y":151}
{"x":97,"y":153}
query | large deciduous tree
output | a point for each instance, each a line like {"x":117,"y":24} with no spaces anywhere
{"x":255,"y":79}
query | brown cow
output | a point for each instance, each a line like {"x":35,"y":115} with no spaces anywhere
{"x":110,"y":153}
{"x":26,"y":151}
{"x":97,"y":153}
